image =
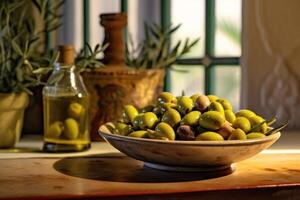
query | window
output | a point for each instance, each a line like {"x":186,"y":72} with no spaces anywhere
{"x":212,"y":67}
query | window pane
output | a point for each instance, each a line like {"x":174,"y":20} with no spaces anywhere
{"x":228,"y":30}
{"x":227,"y":83}
{"x":191,"y":17}
{"x":98,"y":7}
{"x":191,"y":80}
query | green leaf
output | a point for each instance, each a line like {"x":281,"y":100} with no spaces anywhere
{"x":16,"y":48}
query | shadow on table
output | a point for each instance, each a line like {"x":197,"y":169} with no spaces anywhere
{"x":119,"y":168}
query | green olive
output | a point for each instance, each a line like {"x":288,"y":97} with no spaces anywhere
{"x":195,"y":96}
{"x":202,"y":102}
{"x":129,"y":113}
{"x":147,"y":109}
{"x":255,"y":135}
{"x":148,"y":120}
{"x":171,"y":117}
{"x":160,"y":109}
{"x":229,"y":116}
{"x":242,"y":123}
{"x":164,"y":130}
{"x":225,"y":103}
{"x":216,"y":106}
{"x":191,"y":119}
{"x":212,"y":98}
{"x":138,"y":134}
{"x":55,"y":129}
{"x":238,"y":134}
{"x":256,"y":120}
{"x":200,"y":129}
{"x":166,"y":97}
{"x":185,"y":104}
{"x":75,"y":110}
{"x":136,"y":121}
{"x":212,"y":120}
{"x":245,"y":113}
{"x":71,"y":130}
{"x":122,"y":128}
{"x":210,"y":136}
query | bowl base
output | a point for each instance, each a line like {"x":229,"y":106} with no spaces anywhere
{"x":190,"y":169}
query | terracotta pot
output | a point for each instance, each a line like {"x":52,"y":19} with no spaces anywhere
{"x":112,"y":88}
{"x":12,"y":107}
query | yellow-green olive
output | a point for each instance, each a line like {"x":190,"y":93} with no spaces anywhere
{"x":71,"y":130}
{"x":122,"y":128}
{"x":242,"y":123}
{"x":245,"y":113}
{"x":255,"y":121}
{"x":202,"y":102}
{"x":148,"y":120}
{"x":225,"y":103}
{"x":167,"y":106}
{"x":238,"y":134}
{"x":212,"y":98}
{"x":191,"y":119}
{"x":129,"y":113}
{"x":75,"y":110}
{"x":166,"y":97}
{"x":163,"y":131}
{"x":212,"y":120}
{"x":171,"y":117}
{"x":216,"y":106}
{"x":229,"y":116}
{"x":185,"y":132}
{"x":210,"y":136}
{"x":255,"y":135}
{"x":55,"y":129}
{"x":185,"y":104}
{"x":138,"y":134}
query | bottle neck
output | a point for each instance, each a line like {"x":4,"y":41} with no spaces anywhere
{"x":64,"y":67}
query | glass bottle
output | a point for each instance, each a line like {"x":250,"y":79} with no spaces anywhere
{"x":65,"y":106}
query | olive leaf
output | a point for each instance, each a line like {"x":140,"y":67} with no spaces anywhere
{"x":278,"y":128}
{"x":155,"y":50}
{"x":21,"y":63}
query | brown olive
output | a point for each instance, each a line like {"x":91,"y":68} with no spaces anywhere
{"x":185,"y":132}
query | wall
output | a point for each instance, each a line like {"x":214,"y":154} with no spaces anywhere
{"x":271,"y":61}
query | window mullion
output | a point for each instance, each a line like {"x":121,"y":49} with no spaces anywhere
{"x":86,"y":22}
{"x":209,"y":43}
{"x":165,"y":20}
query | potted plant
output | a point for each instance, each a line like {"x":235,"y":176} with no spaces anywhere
{"x":133,"y":74}
{"x":21,"y":61}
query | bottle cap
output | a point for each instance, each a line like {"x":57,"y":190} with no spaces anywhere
{"x":66,"y":54}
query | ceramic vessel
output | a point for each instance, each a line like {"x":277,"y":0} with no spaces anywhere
{"x":12,"y":107}
{"x":170,"y":155}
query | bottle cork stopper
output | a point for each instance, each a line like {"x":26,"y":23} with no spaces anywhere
{"x":66,"y":54}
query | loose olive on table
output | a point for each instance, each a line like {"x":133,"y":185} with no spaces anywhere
{"x":199,"y":117}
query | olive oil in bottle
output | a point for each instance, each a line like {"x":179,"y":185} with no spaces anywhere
{"x":66,"y":103}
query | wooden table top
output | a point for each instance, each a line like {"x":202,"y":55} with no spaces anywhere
{"x":113,"y":175}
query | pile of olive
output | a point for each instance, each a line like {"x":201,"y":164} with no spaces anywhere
{"x":198,"y":117}
{"x":69,"y":128}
